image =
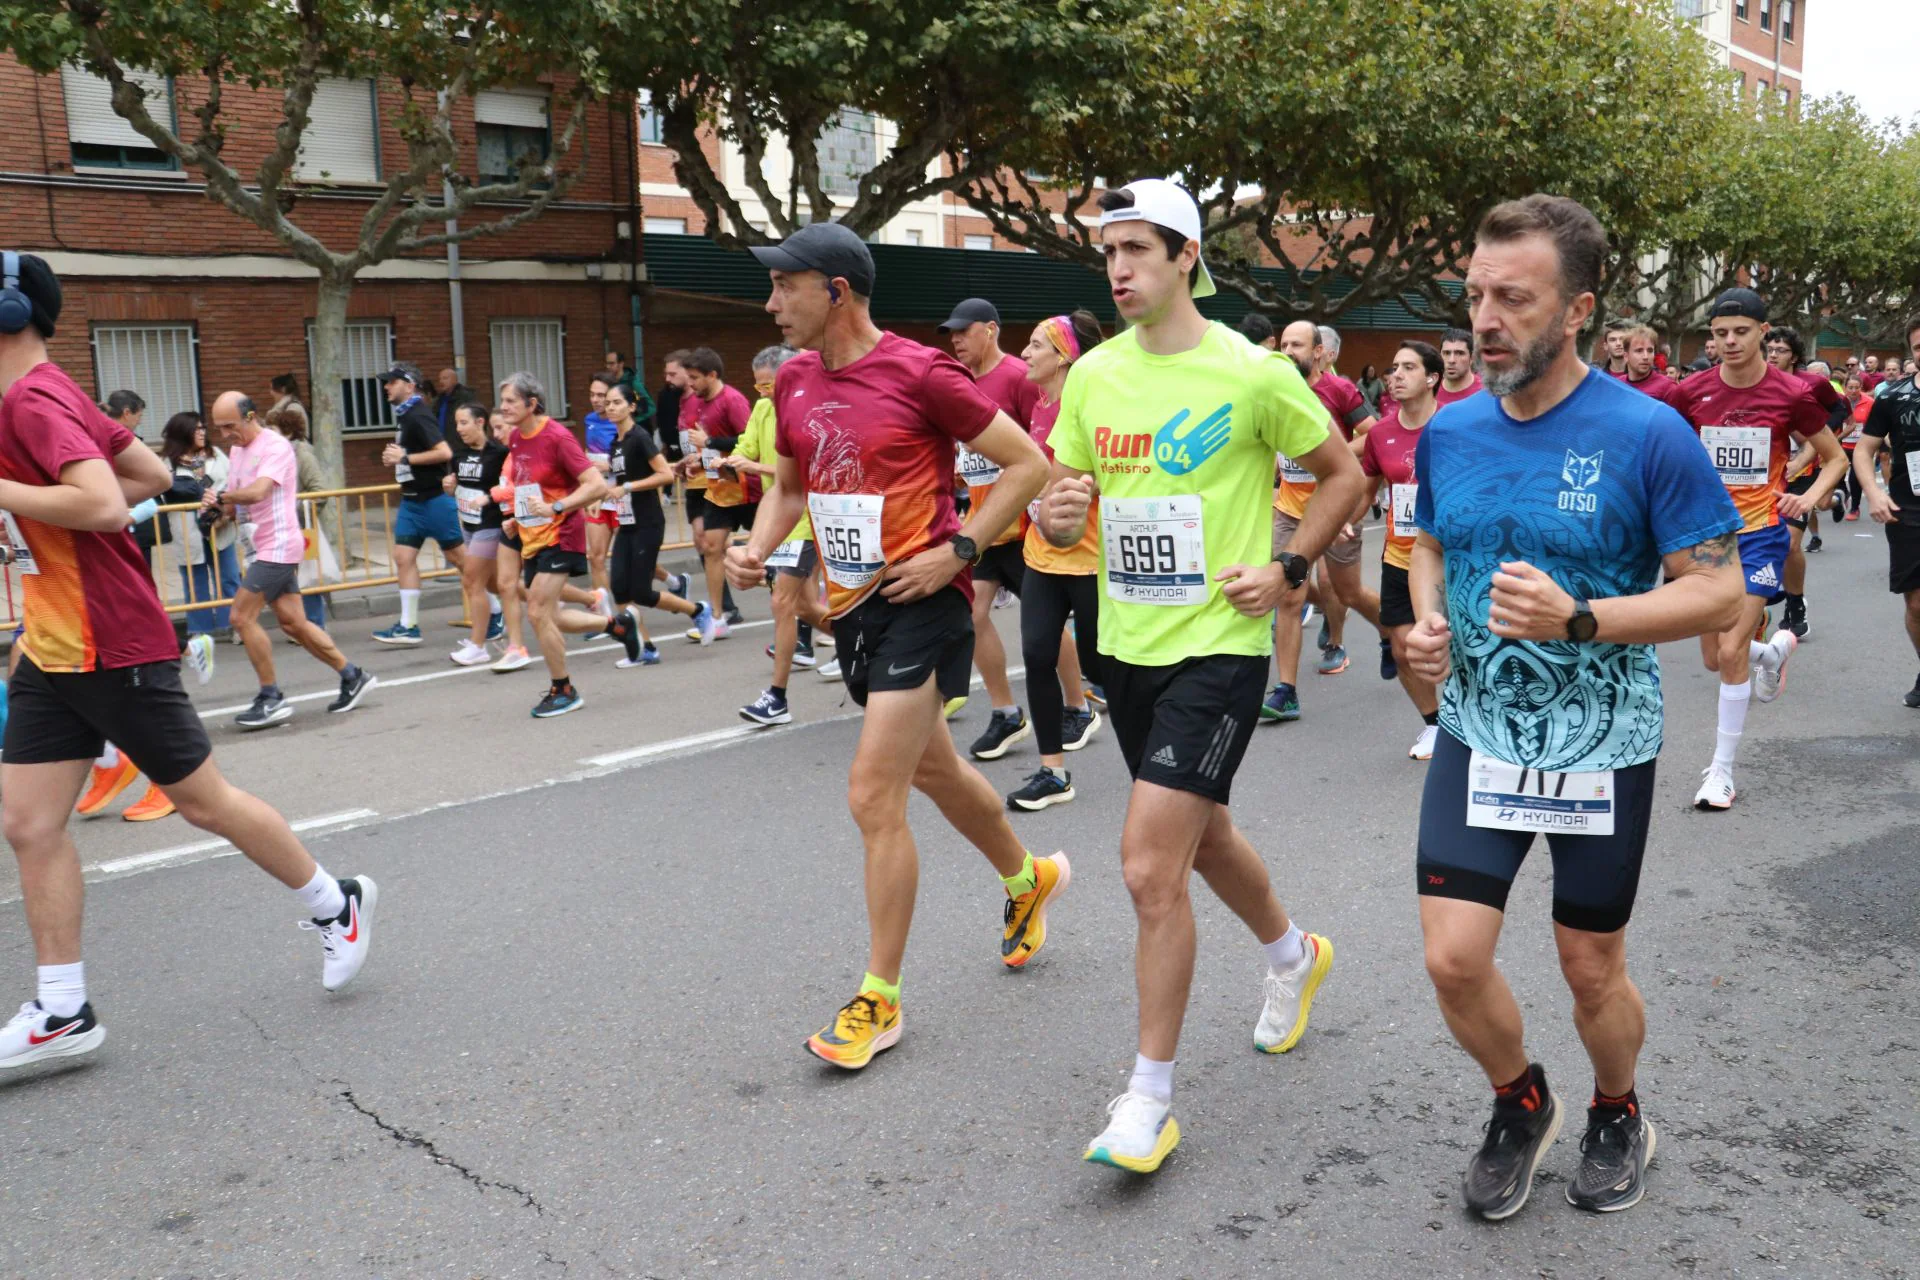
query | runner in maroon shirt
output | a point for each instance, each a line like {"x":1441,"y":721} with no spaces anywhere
{"x":1787,"y":352}
{"x":865,"y":437}
{"x":1458,"y":380}
{"x":1642,"y":345}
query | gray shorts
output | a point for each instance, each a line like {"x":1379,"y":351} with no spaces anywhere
{"x":271,"y":580}
{"x":1283,"y":529}
{"x":482,"y":544}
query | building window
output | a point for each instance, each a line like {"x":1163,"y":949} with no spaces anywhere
{"x":157,"y":361}
{"x":977,"y":242}
{"x":1740,"y":84}
{"x":100,"y":138}
{"x":1766,"y":15}
{"x":666,"y":226}
{"x":914,"y":237}
{"x":366,"y":354}
{"x":1786,"y":97}
{"x":1740,"y":9}
{"x":1786,"y":19}
{"x":509,"y":127}
{"x":1760,"y":88}
{"x":1689,"y":10}
{"x":342,"y":141}
{"x":538,"y":347}
{"x":652,"y":129}
{"x":849,"y":149}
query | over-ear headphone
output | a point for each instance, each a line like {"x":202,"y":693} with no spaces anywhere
{"x":16,"y":308}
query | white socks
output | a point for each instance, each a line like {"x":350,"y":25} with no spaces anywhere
{"x":1286,"y":951}
{"x":63,"y":988}
{"x":1734,"y":699}
{"x":409,"y":607}
{"x":493,"y":604}
{"x":108,"y":758}
{"x":1153,"y":1079}
{"x":322,"y":896}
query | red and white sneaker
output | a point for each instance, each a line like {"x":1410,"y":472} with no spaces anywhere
{"x":35,"y":1034}
{"x":345,"y":937}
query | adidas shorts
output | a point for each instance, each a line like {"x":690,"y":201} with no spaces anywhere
{"x":1186,"y":726}
{"x":1763,"y":560}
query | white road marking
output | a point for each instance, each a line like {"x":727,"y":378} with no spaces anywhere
{"x":401,"y":681}
{"x":216,"y":847}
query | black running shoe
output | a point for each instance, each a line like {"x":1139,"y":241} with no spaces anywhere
{"x":623,"y":629}
{"x":1815,"y":543}
{"x":1077,"y":728}
{"x":352,"y":689}
{"x":1912,"y":698}
{"x":1614,"y":1156}
{"x":1044,"y":789}
{"x":1003,"y":731}
{"x":1389,"y":668}
{"x":1500,"y":1175}
{"x":1796,"y":619}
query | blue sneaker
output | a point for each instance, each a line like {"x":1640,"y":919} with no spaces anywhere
{"x":558,"y":702}
{"x":398,"y":634}
{"x":1333,"y":660}
{"x":702,"y":627}
{"x":1326,"y":637}
{"x":649,"y":656}
{"x":1282,"y":704}
{"x":496,"y":627}
{"x":1389,"y":669}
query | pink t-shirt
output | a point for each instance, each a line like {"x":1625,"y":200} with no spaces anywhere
{"x":275,"y":518}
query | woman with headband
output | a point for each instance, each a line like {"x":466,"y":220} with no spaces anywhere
{"x":1058,"y":583}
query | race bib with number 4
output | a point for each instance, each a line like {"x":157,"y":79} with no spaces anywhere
{"x":846,"y":528}
{"x":1513,"y":797}
{"x":1740,"y":454}
{"x":1156,"y":550}
{"x":1404,"y":497}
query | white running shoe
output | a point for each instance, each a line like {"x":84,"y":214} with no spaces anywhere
{"x":199,"y":656}
{"x":1422,"y":748}
{"x":1003,"y":599}
{"x":513,"y":659}
{"x":345,"y":938}
{"x":1770,"y":679}
{"x":1716,"y":788}
{"x":470,"y":654}
{"x":603,"y":603}
{"x":830,"y":671}
{"x":1290,"y":997}
{"x":1141,"y":1132}
{"x":35,"y":1034}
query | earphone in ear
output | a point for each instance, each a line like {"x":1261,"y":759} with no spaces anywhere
{"x":833,"y":291}
{"x":16,"y":308}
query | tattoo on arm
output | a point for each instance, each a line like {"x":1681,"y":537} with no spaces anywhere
{"x":1715,"y":553}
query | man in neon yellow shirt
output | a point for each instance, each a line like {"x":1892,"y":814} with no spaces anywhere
{"x":1173,"y":425}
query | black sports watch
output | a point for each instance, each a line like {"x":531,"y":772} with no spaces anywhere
{"x":1294,"y":566}
{"x":1582,"y":626}
{"x":966,"y":548}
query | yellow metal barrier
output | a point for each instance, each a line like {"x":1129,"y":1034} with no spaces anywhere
{"x":352,"y":527}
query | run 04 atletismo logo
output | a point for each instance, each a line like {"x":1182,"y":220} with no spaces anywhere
{"x":1178,"y":447}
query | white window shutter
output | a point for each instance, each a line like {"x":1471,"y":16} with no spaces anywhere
{"x":537,"y":347}
{"x":518,"y":108}
{"x":159,"y":362}
{"x":339,"y":142}
{"x":90,"y":114}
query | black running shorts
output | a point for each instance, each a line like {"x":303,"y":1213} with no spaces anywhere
{"x":1005,"y":564}
{"x":143,"y":710}
{"x":1396,"y":599}
{"x":1186,"y":726}
{"x":1595,"y":878}
{"x":552,"y":560}
{"x":1903,"y":557}
{"x":887,"y":646}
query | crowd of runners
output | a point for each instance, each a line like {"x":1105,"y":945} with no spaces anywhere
{"x":1172,"y":505}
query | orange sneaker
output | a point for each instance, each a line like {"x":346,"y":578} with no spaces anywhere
{"x":869,"y":1024}
{"x":1026,"y":916}
{"x":105,"y":785}
{"x":152,"y":805}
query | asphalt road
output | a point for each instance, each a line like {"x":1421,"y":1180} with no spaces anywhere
{"x":576,"y":1048}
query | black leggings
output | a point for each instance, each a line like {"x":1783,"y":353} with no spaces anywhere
{"x":1045,"y":601}
{"x":636,"y":548}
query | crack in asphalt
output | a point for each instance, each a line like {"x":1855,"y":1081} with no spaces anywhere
{"x":406,"y":1137}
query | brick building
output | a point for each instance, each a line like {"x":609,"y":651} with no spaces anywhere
{"x":1761,"y":41}
{"x":178,"y":299}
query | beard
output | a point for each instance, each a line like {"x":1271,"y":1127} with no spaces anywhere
{"x":1537,"y":357}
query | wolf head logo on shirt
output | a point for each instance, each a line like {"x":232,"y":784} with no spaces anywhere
{"x":1582,"y":474}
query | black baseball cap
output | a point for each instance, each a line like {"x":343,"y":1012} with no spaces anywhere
{"x":971,"y":311}
{"x":826,"y":247}
{"x":1739,"y":302}
{"x":404,"y":372}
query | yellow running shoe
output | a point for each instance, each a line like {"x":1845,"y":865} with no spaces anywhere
{"x":1141,"y":1133}
{"x":867,"y":1024}
{"x":105,"y":784}
{"x":1026,"y":918}
{"x":1290,"y":996}
{"x":953,"y":706}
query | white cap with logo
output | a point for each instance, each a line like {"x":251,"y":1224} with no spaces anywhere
{"x":1165,"y":204}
